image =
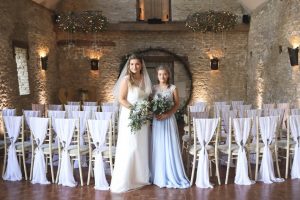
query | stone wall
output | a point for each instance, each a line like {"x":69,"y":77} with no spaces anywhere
{"x":228,"y":83}
{"x":270,"y":75}
{"x":26,"y":21}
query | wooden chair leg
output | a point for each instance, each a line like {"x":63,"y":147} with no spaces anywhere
{"x":24,"y":165}
{"x":287,"y":163}
{"x":31,"y":166}
{"x":4,"y":163}
{"x":249,"y":166}
{"x":80,"y":171}
{"x":217,"y":168}
{"x":89,"y":171}
{"x":193,"y":169}
{"x":51,"y":167}
{"x":228,"y":168}
{"x":277,"y":165}
{"x":256,"y":165}
{"x":58,"y":168}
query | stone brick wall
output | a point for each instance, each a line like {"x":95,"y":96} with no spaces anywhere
{"x":270,"y":75}
{"x":26,"y":21}
{"x":229,"y":83}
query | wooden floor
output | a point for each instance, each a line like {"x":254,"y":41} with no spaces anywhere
{"x":290,"y":189}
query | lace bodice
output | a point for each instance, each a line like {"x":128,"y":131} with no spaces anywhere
{"x":168,"y":93}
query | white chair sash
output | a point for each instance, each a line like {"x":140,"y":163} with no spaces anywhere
{"x":286,"y":108}
{"x":98,"y":130}
{"x":242,"y":130}
{"x":268,"y":129}
{"x":13,"y":171}
{"x":295,"y":132}
{"x":110,"y":108}
{"x":55,"y":107}
{"x":267,"y":107}
{"x":103,"y":115}
{"x":9,"y":112}
{"x":218,"y":106}
{"x":70,"y":108}
{"x":65,"y":130}
{"x":295,"y":111}
{"x":86,"y":103}
{"x":201,"y":104}
{"x":235,"y":104}
{"x":38,"y":107}
{"x":205,"y":129}
{"x":31,"y":113}
{"x":38,"y":127}
{"x":90,"y":108}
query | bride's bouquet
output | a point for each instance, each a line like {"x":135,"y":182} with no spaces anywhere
{"x":139,"y":115}
{"x":161,"y":104}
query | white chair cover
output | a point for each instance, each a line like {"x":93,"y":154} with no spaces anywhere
{"x":295,"y":132}
{"x":107,"y":104}
{"x":197,"y":108}
{"x":218,"y":106}
{"x":242,"y":110}
{"x":38,"y":127}
{"x":9,"y":112}
{"x":199,"y":115}
{"x":82,"y":116}
{"x":98,"y":130}
{"x":103,"y":115}
{"x":235,"y":104}
{"x":55,"y":107}
{"x":242,"y":130}
{"x":205,"y":129}
{"x":200,"y":103}
{"x":295,"y":111}
{"x":13,"y":171}
{"x":38,"y":107}
{"x":253,"y":114}
{"x":267,"y":107}
{"x":110,"y":108}
{"x":286,"y":108}
{"x":65,"y":129}
{"x":277,"y":112}
{"x":70,"y":108}
{"x":268,"y":129}
{"x":73,"y":102}
{"x":86,"y":103}
{"x":90,"y":108}
{"x":31,"y":113}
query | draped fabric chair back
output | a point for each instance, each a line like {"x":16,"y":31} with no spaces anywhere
{"x":286,"y":108}
{"x":90,"y":103}
{"x":241,"y":127}
{"x":93,"y":109}
{"x":97,"y":130}
{"x":70,"y":108}
{"x":218,"y":106}
{"x":14,"y":133}
{"x":235,"y":104}
{"x":39,"y":107}
{"x":267,"y":127}
{"x":31,"y":113}
{"x":8,"y":112}
{"x":39,"y":128}
{"x":204,"y":130}
{"x":242,"y":110}
{"x":73,"y":103}
{"x":294,"y":122}
{"x":55,"y":107}
{"x":253,"y":114}
{"x":267,"y":107}
{"x":295,"y":111}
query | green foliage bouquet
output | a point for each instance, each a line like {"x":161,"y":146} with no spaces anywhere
{"x":139,"y":115}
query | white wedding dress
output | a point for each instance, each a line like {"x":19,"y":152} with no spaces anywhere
{"x":131,"y":169}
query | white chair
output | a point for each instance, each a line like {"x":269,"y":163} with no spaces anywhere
{"x":39,"y":107}
{"x":235,"y":104}
{"x":39,"y":128}
{"x":242,"y":128}
{"x":97,"y":131}
{"x":73,"y":103}
{"x":8,"y":112}
{"x":82,"y":116}
{"x":286,"y":108}
{"x":267,"y":107}
{"x":65,"y":129}
{"x":111,"y":107}
{"x":14,"y":137}
{"x":242,"y":110}
{"x":268,"y":134}
{"x":90,"y":108}
{"x":70,"y":108}
{"x":31,"y":113}
{"x":253,"y":114}
{"x":204,"y":130}
{"x":91,"y":103}
{"x":295,"y":111}
{"x":55,"y":107}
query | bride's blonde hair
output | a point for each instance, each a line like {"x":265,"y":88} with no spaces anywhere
{"x":129,"y":73}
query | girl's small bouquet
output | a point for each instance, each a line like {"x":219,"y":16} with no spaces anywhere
{"x":139,"y":115}
{"x":161,"y":104}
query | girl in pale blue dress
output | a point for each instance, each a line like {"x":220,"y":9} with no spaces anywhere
{"x":166,"y":165}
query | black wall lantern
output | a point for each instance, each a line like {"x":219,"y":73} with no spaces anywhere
{"x":94,"y":64}
{"x":214,"y":64}
{"x":293,"y":53}
{"x":44,"y":62}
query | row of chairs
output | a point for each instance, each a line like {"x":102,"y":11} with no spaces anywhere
{"x":96,"y":146}
{"x":208,"y":147}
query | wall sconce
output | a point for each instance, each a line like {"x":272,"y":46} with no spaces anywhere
{"x":293,"y":53}
{"x":94,"y":64}
{"x":214,"y":64}
{"x":44,"y":62}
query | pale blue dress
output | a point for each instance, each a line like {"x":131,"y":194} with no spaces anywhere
{"x":166,"y":165}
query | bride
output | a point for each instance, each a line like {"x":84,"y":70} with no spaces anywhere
{"x":131,"y":169}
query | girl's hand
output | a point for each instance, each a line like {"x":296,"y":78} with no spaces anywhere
{"x":162,"y":116}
